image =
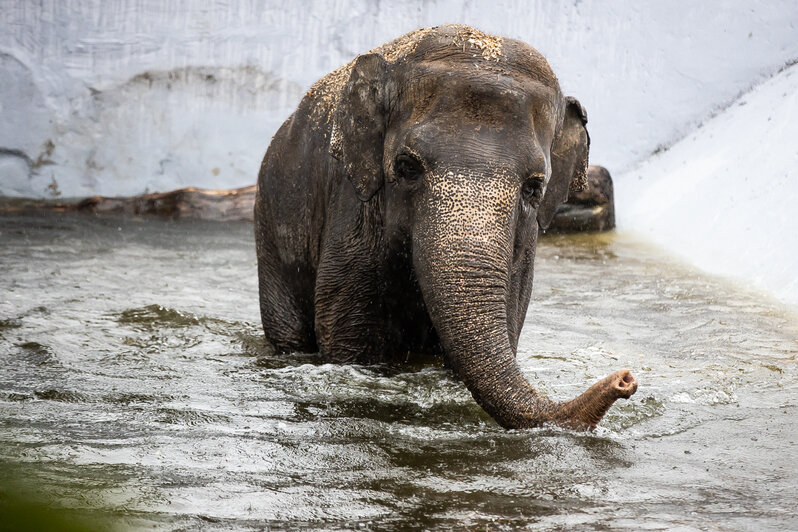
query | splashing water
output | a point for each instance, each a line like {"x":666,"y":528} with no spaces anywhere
{"x":136,"y":382}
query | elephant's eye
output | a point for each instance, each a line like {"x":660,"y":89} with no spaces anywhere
{"x":408,"y":167}
{"x":532,"y":190}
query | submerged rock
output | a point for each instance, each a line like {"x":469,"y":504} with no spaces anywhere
{"x":592,"y":209}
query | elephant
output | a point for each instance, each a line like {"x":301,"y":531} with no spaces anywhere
{"x":398,"y":210}
{"x":591,"y":209}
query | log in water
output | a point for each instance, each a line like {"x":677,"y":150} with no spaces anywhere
{"x":590,"y":210}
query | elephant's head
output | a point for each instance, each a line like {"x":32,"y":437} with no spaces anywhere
{"x":471,"y":146}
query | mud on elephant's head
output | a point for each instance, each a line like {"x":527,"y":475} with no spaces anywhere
{"x":469,"y":145}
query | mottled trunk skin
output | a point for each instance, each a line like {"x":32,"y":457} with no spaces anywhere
{"x":462,"y":257}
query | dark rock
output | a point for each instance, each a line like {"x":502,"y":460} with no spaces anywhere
{"x":589,"y":210}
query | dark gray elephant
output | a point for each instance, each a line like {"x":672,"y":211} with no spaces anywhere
{"x":398,"y":211}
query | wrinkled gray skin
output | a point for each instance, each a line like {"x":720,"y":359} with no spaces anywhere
{"x":398,"y":211}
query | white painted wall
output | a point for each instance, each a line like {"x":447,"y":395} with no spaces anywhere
{"x":726,"y":196}
{"x":150,"y":95}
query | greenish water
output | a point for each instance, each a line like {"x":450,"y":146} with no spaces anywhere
{"x":135,"y":385}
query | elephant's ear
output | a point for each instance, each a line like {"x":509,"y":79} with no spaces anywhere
{"x":569,"y":154}
{"x":358,"y":128}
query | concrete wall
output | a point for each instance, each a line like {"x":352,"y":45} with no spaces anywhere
{"x":726,"y":196}
{"x":120,"y":97}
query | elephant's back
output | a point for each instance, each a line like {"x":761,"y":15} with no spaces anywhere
{"x":294,"y":183}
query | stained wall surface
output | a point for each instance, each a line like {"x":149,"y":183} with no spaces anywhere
{"x":122,"y":97}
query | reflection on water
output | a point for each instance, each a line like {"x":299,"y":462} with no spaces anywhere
{"x":136,"y":382}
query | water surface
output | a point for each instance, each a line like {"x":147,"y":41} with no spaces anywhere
{"x":135,"y":382}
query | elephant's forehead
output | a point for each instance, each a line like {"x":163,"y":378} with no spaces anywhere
{"x":478,"y":99}
{"x":462,"y":46}
{"x":464,"y":43}
{"x":497,"y":87}
{"x":498,"y":75}
{"x":444,"y":143}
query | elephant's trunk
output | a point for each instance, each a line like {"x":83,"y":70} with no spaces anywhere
{"x":462,"y":252}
